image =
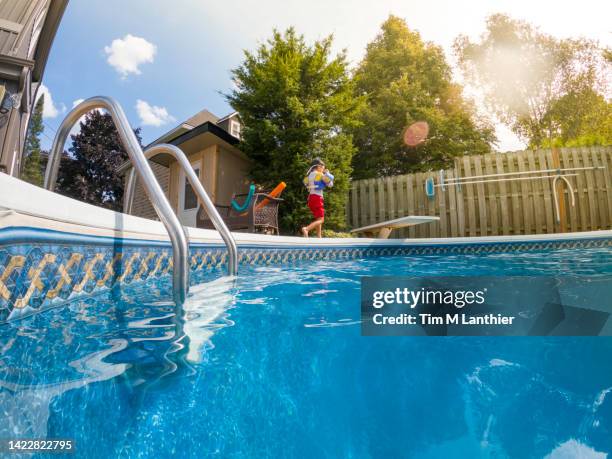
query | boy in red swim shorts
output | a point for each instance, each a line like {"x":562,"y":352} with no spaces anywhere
{"x":317,"y":179}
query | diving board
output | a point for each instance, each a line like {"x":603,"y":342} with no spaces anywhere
{"x":382,"y":230}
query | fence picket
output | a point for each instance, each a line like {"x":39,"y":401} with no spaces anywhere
{"x":492,"y":194}
{"x":453,"y":211}
{"x":354,"y":219}
{"x":381,"y":210}
{"x":537,"y":194}
{"x":372,"y":200}
{"x":600,"y":193}
{"x":544,"y":161}
{"x":517,"y":216}
{"x":590,"y":184}
{"x":442,"y":212}
{"x":503,"y":197}
{"x":606,"y":162}
{"x":390,"y":204}
{"x":482,"y":204}
{"x":410,"y":197}
{"x":573,"y":212}
{"x":526,"y":192}
{"x":460,"y":200}
{"x":468,"y":191}
{"x":581,"y":195}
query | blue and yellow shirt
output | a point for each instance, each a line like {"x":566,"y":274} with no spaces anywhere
{"x":316,"y":182}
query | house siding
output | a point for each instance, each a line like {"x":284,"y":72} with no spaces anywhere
{"x":232,"y":176}
{"x":141,"y":206}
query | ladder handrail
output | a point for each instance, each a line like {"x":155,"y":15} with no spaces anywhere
{"x":176,"y":232}
{"x":211,"y":210}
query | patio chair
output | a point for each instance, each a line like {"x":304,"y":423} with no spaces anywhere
{"x":256,"y":218}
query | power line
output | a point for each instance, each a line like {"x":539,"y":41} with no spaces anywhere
{"x":43,"y":133}
{"x":46,"y":125}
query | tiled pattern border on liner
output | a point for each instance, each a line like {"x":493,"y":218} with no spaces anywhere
{"x":38,"y":274}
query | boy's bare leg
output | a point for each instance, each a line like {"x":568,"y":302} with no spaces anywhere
{"x":315,"y":224}
{"x":319,"y":228}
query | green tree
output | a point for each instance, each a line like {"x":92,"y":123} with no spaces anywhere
{"x":530,"y":80}
{"x":580,"y":118}
{"x":32,"y":166}
{"x":297,"y":103}
{"x":89,"y":172}
{"x":404,"y":80}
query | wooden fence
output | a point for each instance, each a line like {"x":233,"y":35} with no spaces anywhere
{"x":499,"y":208}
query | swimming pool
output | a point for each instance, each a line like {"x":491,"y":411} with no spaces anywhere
{"x":273,"y":365}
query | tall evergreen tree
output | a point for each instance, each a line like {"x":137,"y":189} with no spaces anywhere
{"x":297,"y":102}
{"x":406,"y":80}
{"x":32,"y":166}
{"x":89,"y":172}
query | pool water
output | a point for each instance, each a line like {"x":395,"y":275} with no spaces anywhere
{"x":274,"y":365}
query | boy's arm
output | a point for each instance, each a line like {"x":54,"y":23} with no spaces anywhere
{"x":328,"y":179}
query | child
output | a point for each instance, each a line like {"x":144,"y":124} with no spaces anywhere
{"x":316,"y":180}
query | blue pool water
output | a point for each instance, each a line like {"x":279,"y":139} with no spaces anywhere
{"x":273,"y":365}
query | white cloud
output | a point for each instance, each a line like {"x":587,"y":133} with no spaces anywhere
{"x":76,"y":102}
{"x":126,"y":54}
{"x":50,"y":110}
{"x":152,"y":115}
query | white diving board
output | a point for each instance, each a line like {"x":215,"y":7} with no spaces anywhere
{"x":382,"y":230}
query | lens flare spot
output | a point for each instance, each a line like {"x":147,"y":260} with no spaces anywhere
{"x":416,"y":133}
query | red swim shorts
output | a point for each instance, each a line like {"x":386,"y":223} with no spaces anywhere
{"x":315,"y":203}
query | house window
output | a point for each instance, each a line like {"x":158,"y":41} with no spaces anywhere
{"x":190,"y":198}
{"x":235,"y":128}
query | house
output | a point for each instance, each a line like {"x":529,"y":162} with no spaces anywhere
{"x":210,"y":144}
{"x":27,"y":30}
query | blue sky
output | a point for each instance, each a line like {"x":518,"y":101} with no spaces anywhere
{"x":177,"y":60}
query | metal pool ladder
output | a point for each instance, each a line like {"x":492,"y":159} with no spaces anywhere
{"x":176,"y":231}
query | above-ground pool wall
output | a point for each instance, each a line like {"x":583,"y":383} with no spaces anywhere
{"x":41,"y":268}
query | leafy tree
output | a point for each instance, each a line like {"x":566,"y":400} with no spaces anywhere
{"x":297,"y":102}
{"x":530,"y":79}
{"x":88,"y":173}
{"x":32,"y":166}
{"x":582,"y":118}
{"x":405,"y":80}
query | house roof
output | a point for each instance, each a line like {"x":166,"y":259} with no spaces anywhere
{"x":201,"y":129}
{"x":226,"y":117}
{"x":199,"y":119}
{"x":21,"y":42}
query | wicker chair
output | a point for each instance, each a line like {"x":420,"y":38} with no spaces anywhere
{"x":264,"y":219}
